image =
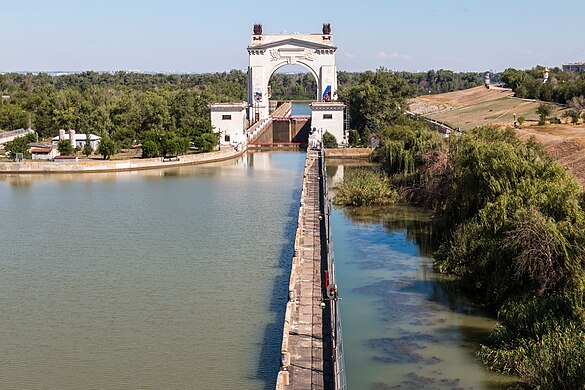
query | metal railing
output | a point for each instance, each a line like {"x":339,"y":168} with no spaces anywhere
{"x":340,"y":382}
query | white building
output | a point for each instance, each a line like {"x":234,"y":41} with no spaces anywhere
{"x":229,"y":120}
{"x":77,"y":140}
{"x":328,"y":117}
{"x":48,"y":152}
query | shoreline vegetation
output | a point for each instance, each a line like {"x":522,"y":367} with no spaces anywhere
{"x":510,"y":222}
{"x":513,"y":232}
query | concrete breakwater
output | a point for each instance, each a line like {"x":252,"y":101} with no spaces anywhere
{"x":26,"y":167}
{"x":306,"y":355}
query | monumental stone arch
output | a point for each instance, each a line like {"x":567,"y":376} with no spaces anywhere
{"x":269,"y":52}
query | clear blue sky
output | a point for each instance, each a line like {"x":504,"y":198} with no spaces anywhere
{"x":212,"y":35}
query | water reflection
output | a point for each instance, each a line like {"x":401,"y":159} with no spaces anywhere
{"x":228,"y":167}
{"x":404,"y":326}
{"x":159,"y":279}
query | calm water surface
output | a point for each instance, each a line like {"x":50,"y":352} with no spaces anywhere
{"x":403,"y":328}
{"x":153,"y":280}
{"x":301,"y":109}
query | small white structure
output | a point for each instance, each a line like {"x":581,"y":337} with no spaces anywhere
{"x":328,"y":117}
{"x":77,"y":140}
{"x":48,"y":152}
{"x":269,"y":52}
{"x":228,"y":120}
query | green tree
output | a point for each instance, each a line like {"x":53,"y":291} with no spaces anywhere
{"x":544,"y":110}
{"x":64,"y":147}
{"x":206,"y":142}
{"x":329,"y":140}
{"x":13,"y":117}
{"x":20,"y":145}
{"x":354,"y":138}
{"x":107,"y":148}
{"x":87,"y":149}
{"x":150,"y":149}
{"x":174,"y":145}
{"x":377,"y":99}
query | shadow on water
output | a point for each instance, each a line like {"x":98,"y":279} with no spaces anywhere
{"x":269,"y":359}
{"x":416,"y":222}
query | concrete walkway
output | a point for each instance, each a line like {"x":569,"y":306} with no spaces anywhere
{"x":306,"y":341}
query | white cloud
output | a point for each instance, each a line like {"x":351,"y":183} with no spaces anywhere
{"x":349,"y":55}
{"x":382,"y":55}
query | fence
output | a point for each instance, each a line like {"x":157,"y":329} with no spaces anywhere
{"x":336,"y":330}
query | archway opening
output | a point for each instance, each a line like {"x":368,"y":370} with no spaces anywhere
{"x":292,"y":82}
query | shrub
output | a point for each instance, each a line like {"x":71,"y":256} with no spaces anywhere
{"x":107,"y":148}
{"x":364,"y":187}
{"x":354,"y":138}
{"x":87,"y":149}
{"x":329,"y":140}
{"x":64,"y":147}
{"x":150,"y":149}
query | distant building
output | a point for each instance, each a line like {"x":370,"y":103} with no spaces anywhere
{"x":47,"y":152}
{"x":575,"y":67}
{"x":228,"y":119}
{"x":77,"y":140}
{"x":328,"y":117}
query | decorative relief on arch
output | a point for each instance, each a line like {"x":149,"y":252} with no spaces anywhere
{"x":276,"y":55}
{"x":307,"y":55}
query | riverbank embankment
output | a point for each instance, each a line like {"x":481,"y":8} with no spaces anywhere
{"x":92,"y":166}
{"x":349,"y":153}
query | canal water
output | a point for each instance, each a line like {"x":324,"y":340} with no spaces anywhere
{"x":177,"y":279}
{"x":403,"y":327}
{"x":301,"y":109}
{"x":165,"y":279}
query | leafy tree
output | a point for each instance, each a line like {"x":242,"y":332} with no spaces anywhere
{"x":64,"y":147}
{"x":329,"y":140}
{"x":354,"y":138}
{"x":514,"y":224}
{"x":150,"y":149}
{"x":376,"y":100}
{"x":124,"y":137}
{"x":87,"y":149}
{"x":20,"y":145}
{"x":174,"y":145}
{"x":13,"y":117}
{"x":206,"y":142}
{"x":544,"y":110}
{"x":107,"y":148}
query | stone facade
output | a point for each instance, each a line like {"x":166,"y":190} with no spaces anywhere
{"x":268,"y":53}
{"x":328,"y":117}
{"x":229,"y":121}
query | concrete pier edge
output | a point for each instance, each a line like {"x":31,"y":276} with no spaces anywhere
{"x":47,"y":167}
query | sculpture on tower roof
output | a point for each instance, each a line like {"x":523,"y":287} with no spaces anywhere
{"x":326,"y":29}
{"x":257,"y":29}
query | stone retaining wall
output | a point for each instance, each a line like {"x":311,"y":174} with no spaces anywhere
{"x":26,"y":167}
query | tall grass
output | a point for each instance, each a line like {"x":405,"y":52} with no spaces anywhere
{"x":365,"y":187}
